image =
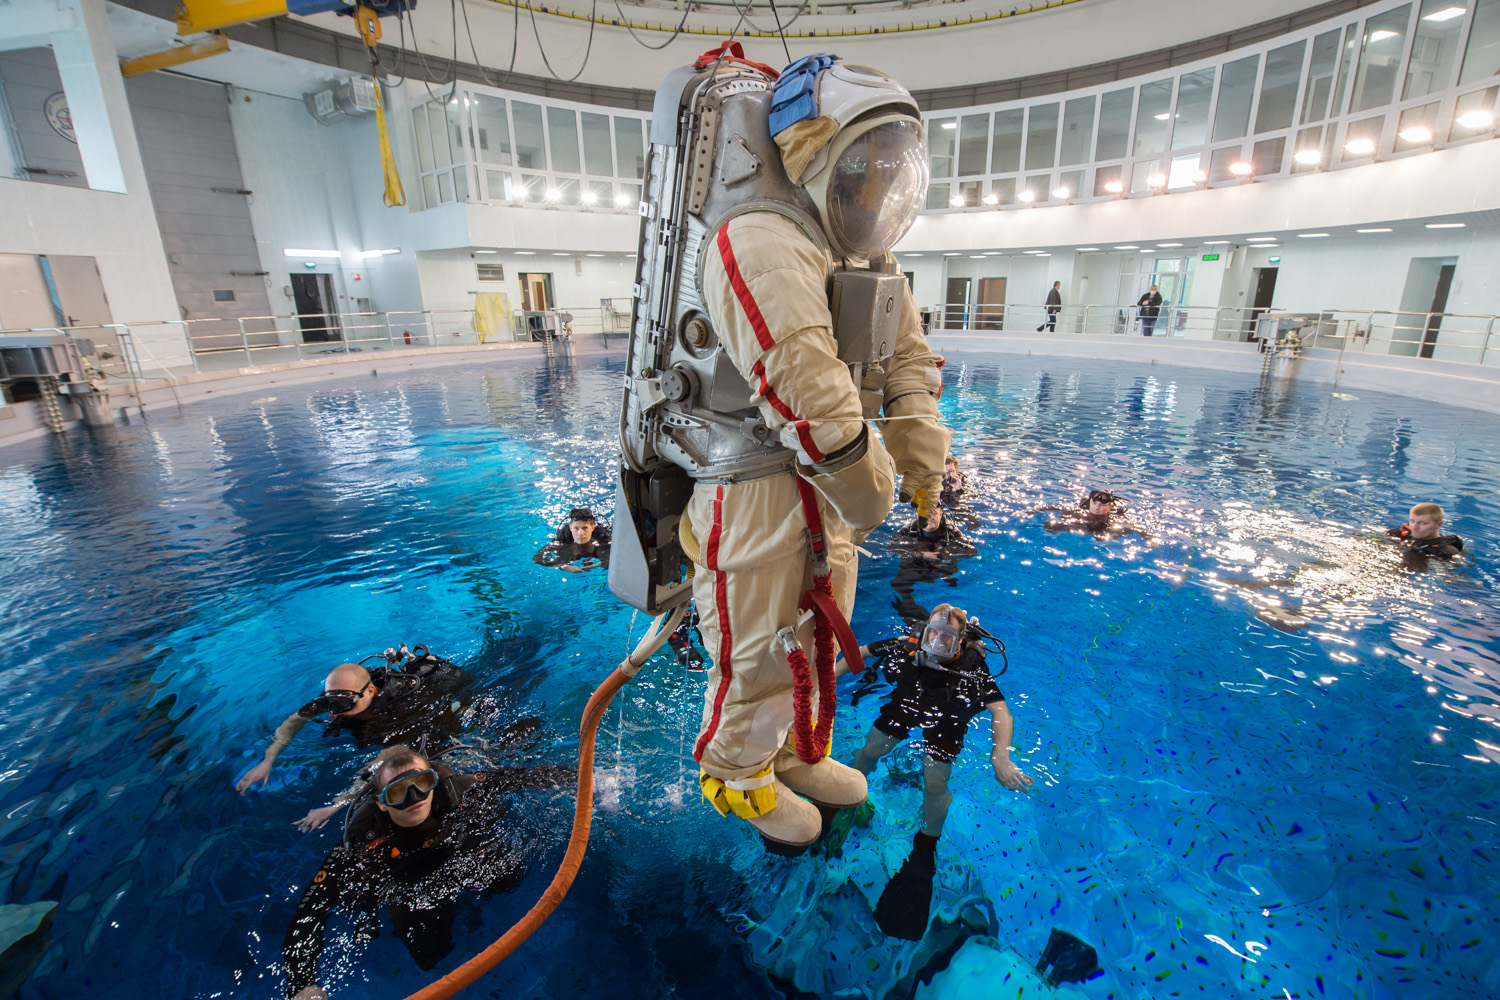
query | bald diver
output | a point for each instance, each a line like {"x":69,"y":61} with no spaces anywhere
{"x":1102,"y":513}
{"x":421,"y":837}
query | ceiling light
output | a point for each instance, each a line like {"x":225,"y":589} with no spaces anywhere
{"x":1061,"y":193}
{"x":1311,"y":236}
{"x":310,"y":253}
{"x":1128,"y":246}
{"x":950,"y":125}
{"x":1446,"y":225}
{"x":1383,"y":34}
{"x":992,"y":199}
{"x":1241,"y":169}
{"x":1257,"y":239}
{"x":1307,"y":157}
{"x":1382,"y":229}
{"x":976,"y":256}
{"x":486,"y":251}
{"x":1027,"y":196}
{"x":1033,"y":251}
{"x":1162,"y":117}
{"x":525,"y":253}
{"x":1417,"y":133}
{"x":957,"y":201}
{"x":590,"y":197}
{"x":1360,"y":147}
{"x":1156,"y":181}
{"x":1215,"y":243}
{"x":553,"y":194}
{"x":952,"y":253}
{"x":1114,"y":187}
{"x":1085,"y":249}
{"x":1148,"y":251}
{"x":622,"y":200}
{"x":1446,"y":14}
{"x":367,"y":254}
{"x":1167,"y":245}
{"x":597,"y":255}
{"x":561,"y":253}
{"x":911,"y":255}
{"x":1475,"y":119}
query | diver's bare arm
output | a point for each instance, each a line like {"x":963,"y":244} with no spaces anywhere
{"x":284,"y":734}
{"x":1003,"y":727}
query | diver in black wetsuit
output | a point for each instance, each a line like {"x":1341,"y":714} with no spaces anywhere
{"x":942,"y":682}
{"x":687,"y":641}
{"x":580,"y":545}
{"x":1101,"y":514}
{"x":954,"y":484}
{"x":426,"y":836}
{"x":417,"y":693}
{"x":1421,"y":537}
{"x":930,"y":551}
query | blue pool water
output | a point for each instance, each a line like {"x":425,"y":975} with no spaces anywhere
{"x":1223,"y":808}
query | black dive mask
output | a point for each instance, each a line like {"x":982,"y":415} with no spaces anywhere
{"x":337,"y":702}
{"x":409,"y":789}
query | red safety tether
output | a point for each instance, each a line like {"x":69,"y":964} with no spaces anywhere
{"x":732,"y":52}
{"x":828,"y":624}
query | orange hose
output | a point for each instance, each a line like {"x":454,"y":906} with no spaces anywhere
{"x":578,"y":842}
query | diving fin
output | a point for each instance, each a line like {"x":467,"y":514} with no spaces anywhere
{"x":904,"y":907}
{"x":1072,"y":960}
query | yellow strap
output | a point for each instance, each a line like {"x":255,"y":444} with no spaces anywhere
{"x":755,"y":796}
{"x":395,"y":195}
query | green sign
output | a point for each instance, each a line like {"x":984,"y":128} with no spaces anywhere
{"x":1210,"y":256}
{"x":1273,"y":260}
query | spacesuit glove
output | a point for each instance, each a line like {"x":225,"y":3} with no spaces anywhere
{"x":857,"y":480}
{"x":918,"y":442}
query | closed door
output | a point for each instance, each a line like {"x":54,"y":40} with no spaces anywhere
{"x":25,"y":301}
{"x":989,"y":311}
{"x":80,"y":292}
{"x":956,"y":304}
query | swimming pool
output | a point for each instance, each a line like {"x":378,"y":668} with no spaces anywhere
{"x":1223,"y":808}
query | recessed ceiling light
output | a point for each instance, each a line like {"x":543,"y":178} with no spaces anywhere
{"x":525,"y":253}
{"x":596,"y":255}
{"x":1162,"y":117}
{"x":1446,"y":14}
{"x":1311,"y":236}
{"x":950,"y":125}
{"x":1086,"y":249}
{"x":1254,"y":239}
{"x":911,"y":255}
{"x":1216,"y":243}
{"x":1381,"y":229}
{"x":1382,"y":34}
{"x":1446,"y":225}
{"x":1168,"y":245}
{"x":1148,"y":250}
{"x":952,"y":254}
{"x":976,"y":256}
{"x":561,"y":253}
{"x":1128,"y":246}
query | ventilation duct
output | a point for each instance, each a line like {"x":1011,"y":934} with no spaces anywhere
{"x":353,"y":98}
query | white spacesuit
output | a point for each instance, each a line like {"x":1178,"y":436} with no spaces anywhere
{"x":766,"y":268}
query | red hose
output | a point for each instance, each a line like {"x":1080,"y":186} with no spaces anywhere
{"x":578,"y":841}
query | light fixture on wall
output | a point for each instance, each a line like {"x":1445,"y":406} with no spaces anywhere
{"x":1114,"y":187}
{"x":1241,"y":169}
{"x":1026,"y":196}
{"x":1157,"y":182}
{"x":1359,"y":147}
{"x":1417,"y":134}
{"x":622,"y":200}
{"x":992,"y":199}
{"x":957,"y":201}
{"x":590,"y":198}
{"x":554,"y":195}
{"x":1200,"y":178}
{"x":1308,"y":157}
{"x":1061,"y":193}
{"x":1475,"y":119}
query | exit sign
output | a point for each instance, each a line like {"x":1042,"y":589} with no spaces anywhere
{"x":1210,"y":256}
{"x":1273,"y":260}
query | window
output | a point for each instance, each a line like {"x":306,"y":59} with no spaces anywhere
{"x":1430,"y":66}
{"x":1380,"y":59}
{"x":1078,"y":131}
{"x":1236,"y":92}
{"x":1278,"y":87}
{"x":1153,"y":116}
{"x":630,"y":149}
{"x":1005,"y":149}
{"x":1114,"y":125}
{"x":1346,"y":68}
{"x":1041,"y":137}
{"x":1482,"y":56}
{"x":492,"y":131}
{"x":489,"y":272}
{"x":223,"y":295}
{"x":1194,"y":94}
{"x":596,"y":157}
{"x":562,"y":140}
{"x":1267,"y":157}
{"x":530,"y":151}
{"x":1325,"y":62}
{"x":1417,"y":128}
{"x":940,"y":142}
{"x":973,"y":137}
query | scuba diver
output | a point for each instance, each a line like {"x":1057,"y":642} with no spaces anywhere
{"x":954,"y":483}
{"x":580,"y":545}
{"x":415,"y":693}
{"x":417,"y":839}
{"x":1421,"y":537}
{"x":772,"y":323}
{"x":942,"y":682}
{"x":689,"y":652}
{"x":930,"y":549}
{"x":1101,"y":514}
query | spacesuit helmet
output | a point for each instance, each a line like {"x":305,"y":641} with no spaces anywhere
{"x":852,"y":138}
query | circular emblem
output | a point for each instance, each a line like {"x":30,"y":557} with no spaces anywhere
{"x":55,"y":107}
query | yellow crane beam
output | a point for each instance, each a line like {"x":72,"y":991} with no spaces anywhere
{"x":175,"y":56}
{"x":194,"y":16}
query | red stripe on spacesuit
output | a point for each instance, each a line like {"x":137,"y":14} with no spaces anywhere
{"x":804,"y":430}
{"x":726,"y":638}
{"x":742,"y":292}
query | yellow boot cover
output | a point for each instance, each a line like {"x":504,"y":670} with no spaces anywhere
{"x":747,"y":798}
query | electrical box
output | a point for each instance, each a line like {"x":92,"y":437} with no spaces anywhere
{"x":352,"y":98}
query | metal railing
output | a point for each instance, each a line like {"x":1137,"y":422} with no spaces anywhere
{"x":1460,"y":337}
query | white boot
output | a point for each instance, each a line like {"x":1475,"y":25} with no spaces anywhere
{"x":795,"y":821}
{"x":826,"y":783}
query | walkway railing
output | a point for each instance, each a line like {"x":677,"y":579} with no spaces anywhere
{"x":1461,"y":337}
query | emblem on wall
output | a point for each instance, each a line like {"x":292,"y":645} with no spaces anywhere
{"x":55,"y":107}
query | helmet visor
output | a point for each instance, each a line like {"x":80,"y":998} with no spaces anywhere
{"x":877,"y":187}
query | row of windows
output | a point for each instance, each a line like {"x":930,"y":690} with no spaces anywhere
{"x":1324,"y":99}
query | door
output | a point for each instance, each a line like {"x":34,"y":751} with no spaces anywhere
{"x":80,"y":292}
{"x":25,"y":300}
{"x":1265,"y":294}
{"x":312,"y":296}
{"x":956,"y":304}
{"x":989,"y":312}
{"x":1439,"y":306}
{"x":536,"y":292}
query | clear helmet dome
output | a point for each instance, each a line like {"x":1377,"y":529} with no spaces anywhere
{"x":872,"y":185}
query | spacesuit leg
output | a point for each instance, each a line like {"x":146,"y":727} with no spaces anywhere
{"x":752,"y":572}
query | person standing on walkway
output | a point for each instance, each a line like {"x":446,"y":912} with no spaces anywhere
{"x":1150,"y":307}
{"x":1054,"y":306}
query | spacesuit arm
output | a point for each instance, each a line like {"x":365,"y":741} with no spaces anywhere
{"x":918,"y":442}
{"x":764,"y":287}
